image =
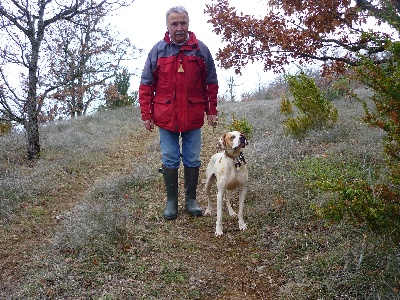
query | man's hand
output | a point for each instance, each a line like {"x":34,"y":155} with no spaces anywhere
{"x":212,"y":120}
{"x":149,"y":124}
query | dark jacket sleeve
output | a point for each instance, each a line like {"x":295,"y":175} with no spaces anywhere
{"x":147,"y":83}
{"x":211,"y":81}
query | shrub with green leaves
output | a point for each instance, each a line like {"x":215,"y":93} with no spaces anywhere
{"x":362,"y":203}
{"x":351,"y":193}
{"x":384,"y":80}
{"x":5,"y":127}
{"x":242,"y":125}
{"x":286,"y":107}
{"x":313,"y":110}
{"x":116,"y":95}
{"x":337,"y":88}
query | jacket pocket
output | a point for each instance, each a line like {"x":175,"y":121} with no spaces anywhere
{"x":165,"y":76}
{"x":163,"y":111}
{"x":196,"y":109}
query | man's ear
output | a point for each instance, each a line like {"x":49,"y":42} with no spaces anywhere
{"x":221,"y":143}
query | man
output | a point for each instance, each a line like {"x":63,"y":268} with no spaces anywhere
{"x":178,"y":85}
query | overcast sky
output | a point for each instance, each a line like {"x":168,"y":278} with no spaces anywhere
{"x":144,"y":23}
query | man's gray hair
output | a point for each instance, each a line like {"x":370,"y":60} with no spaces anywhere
{"x":177,"y":10}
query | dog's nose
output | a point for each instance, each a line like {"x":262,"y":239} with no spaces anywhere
{"x":242,"y":139}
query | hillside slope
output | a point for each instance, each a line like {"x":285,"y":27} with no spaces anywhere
{"x":85,"y":221}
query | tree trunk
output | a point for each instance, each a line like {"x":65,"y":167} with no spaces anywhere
{"x":32,"y":108}
{"x":32,"y":137}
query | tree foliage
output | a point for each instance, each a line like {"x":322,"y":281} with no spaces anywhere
{"x":26,"y":27}
{"x":330,"y":31}
{"x":116,"y":95}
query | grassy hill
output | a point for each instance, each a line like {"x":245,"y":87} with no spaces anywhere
{"x":85,"y":221}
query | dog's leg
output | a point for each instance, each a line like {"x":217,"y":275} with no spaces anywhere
{"x":228,"y":203}
{"x":218,"y":226}
{"x":207,"y":189}
{"x":242,"y":195}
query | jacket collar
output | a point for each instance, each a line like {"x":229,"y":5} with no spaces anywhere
{"x":190,"y":44}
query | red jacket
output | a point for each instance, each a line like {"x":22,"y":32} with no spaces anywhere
{"x":178,"y":85}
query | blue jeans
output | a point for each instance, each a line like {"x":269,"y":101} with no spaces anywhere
{"x":171,"y":148}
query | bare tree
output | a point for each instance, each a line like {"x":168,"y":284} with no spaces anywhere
{"x":231,"y":85}
{"x":25,"y":26}
{"x":87,"y":54}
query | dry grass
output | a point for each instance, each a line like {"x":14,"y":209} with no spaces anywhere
{"x":85,"y":221}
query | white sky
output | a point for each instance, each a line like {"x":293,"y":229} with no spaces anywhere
{"x":144,"y":23}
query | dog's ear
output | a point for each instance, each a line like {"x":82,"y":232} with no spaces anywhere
{"x":221,"y":142}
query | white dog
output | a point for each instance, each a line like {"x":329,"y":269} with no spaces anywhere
{"x":230,"y":171}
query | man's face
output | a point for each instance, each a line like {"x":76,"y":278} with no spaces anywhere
{"x":178,"y":27}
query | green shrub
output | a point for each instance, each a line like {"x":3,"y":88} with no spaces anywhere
{"x":337,"y":89}
{"x":359,"y":202}
{"x":286,"y":107}
{"x":5,"y":127}
{"x":350,"y":194}
{"x":116,"y":95}
{"x":313,"y":111}
{"x":384,"y":80}
{"x":241,"y":125}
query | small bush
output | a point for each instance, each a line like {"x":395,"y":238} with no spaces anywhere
{"x":5,"y":127}
{"x":352,"y":194}
{"x":286,"y":107}
{"x":297,"y":126}
{"x":362,"y":203}
{"x":114,"y":99}
{"x":116,"y":95}
{"x":337,"y":89}
{"x":241,"y":125}
{"x":314,"y":111}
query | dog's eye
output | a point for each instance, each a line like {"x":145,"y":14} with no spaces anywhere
{"x":232,"y":137}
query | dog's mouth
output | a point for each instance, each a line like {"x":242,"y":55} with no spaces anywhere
{"x":242,"y":142}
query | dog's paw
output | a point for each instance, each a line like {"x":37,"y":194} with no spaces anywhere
{"x":207,"y":212}
{"x":218,"y":230}
{"x":232,"y":212}
{"x":242,"y":226}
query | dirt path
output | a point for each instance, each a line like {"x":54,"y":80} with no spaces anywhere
{"x":231,"y":263}
{"x":231,"y":259}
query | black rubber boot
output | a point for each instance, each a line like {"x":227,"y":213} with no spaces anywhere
{"x":171,"y":184}
{"x":191,"y":180}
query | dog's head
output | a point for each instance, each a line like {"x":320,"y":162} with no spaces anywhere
{"x":232,"y":140}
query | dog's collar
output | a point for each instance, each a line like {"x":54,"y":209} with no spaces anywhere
{"x":238,"y":159}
